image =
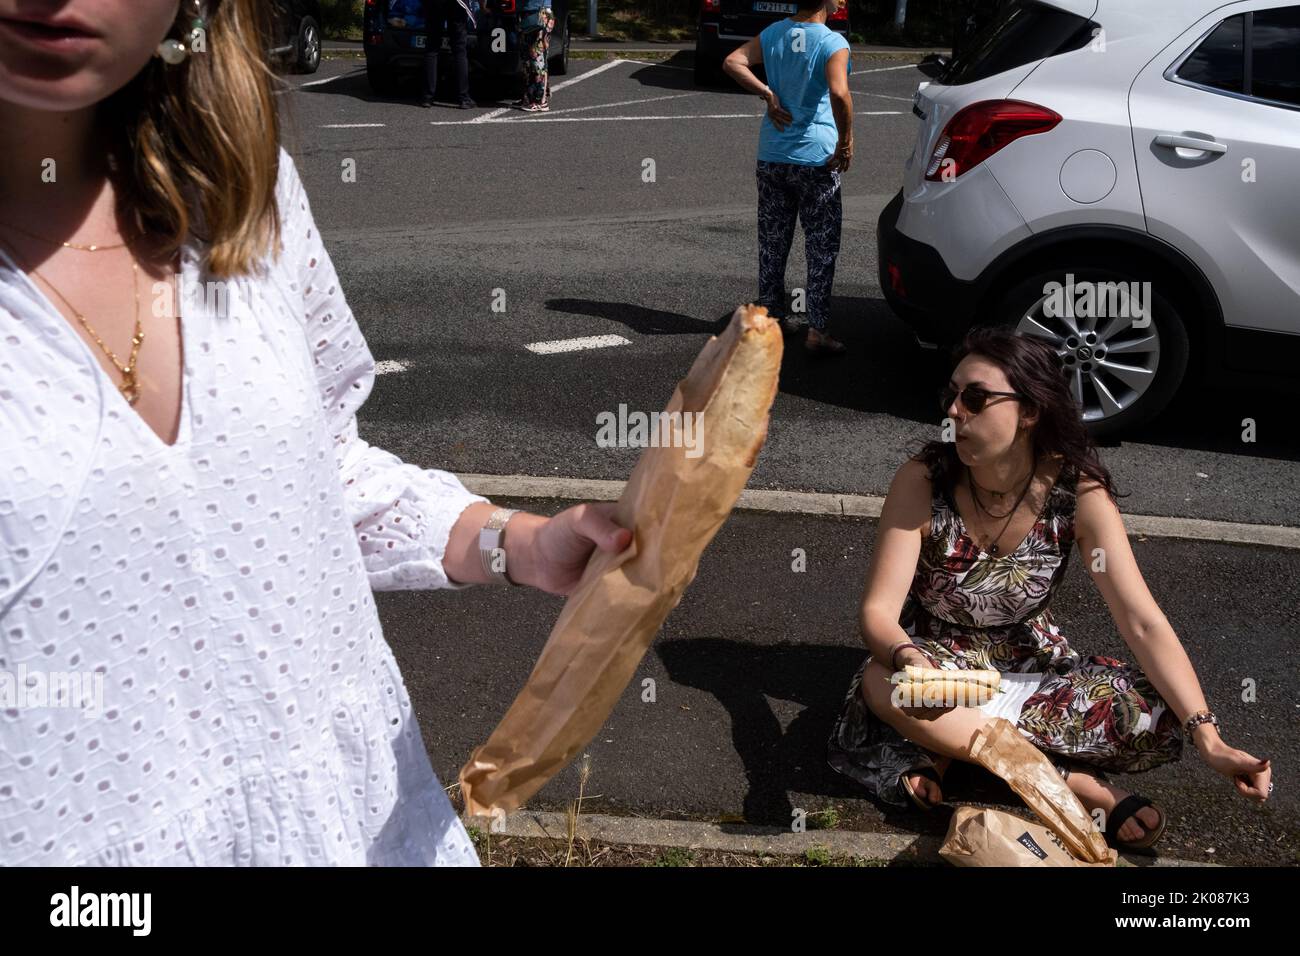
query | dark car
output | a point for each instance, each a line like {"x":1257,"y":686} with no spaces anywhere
{"x":728,"y":24}
{"x":295,"y":34}
{"x":396,"y":36}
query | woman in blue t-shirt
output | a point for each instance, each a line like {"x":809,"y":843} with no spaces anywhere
{"x":804,"y":144}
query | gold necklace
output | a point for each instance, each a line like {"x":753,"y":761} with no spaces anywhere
{"x":130,"y":387}
{"x":93,"y":247}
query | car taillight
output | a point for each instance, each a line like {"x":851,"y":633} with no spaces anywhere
{"x":711,"y":6}
{"x":506,"y":6}
{"x":980,"y":130}
{"x":896,"y":279}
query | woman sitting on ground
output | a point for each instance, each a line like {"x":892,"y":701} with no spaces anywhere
{"x":974,"y":540}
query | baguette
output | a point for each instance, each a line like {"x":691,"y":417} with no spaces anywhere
{"x":674,"y":503}
{"x":991,"y":678}
{"x":942,"y":693}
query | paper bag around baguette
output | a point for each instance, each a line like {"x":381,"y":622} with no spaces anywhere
{"x":674,"y":505}
{"x":1003,"y":750}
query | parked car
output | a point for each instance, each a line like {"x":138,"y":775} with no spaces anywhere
{"x":296,"y":36}
{"x":728,"y":24}
{"x":396,"y":36}
{"x":1144,"y":155}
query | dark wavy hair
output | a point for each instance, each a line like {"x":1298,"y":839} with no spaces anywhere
{"x":1035,"y":371}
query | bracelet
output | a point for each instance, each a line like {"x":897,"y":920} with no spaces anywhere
{"x":893,"y":655}
{"x":1198,"y":718}
{"x":491,"y":546}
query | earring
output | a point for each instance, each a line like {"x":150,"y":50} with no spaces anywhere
{"x":173,"y":51}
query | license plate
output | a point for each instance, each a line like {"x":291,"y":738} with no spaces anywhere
{"x":776,"y":8}
{"x":418,"y":41}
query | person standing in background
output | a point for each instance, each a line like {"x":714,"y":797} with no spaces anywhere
{"x":536,"y":21}
{"x":804,"y":144}
{"x":453,"y":19}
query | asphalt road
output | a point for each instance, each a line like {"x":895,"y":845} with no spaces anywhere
{"x":452,"y":212}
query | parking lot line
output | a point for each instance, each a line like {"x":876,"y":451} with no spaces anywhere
{"x":575,"y":345}
{"x":663,"y":66}
{"x":885,"y":69}
{"x":604,"y":106}
{"x":492,"y":116}
{"x":686,"y":116}
{"x":351,"y":125}
{"x":328,"y":79}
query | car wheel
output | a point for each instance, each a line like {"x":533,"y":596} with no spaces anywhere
{"x":1124,"y":357}
{"x":559,"y":65}
{"x":306,"y":48}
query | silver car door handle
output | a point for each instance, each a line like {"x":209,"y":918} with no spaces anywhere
{"x":1190,"y":142}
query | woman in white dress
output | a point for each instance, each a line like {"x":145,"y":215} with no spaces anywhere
{"x":192,"y":669}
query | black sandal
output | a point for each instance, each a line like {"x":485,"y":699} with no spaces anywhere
{"x":1126,"y":808}
{"x":930,"y":774}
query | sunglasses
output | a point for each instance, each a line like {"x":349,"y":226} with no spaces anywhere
{"x":973,"y":397}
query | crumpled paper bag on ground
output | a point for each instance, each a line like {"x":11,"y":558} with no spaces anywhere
{"x":1004,"y":751}
{"x":674,"y":502}
{"x":979,"y":836}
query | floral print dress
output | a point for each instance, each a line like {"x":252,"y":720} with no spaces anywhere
{"x":972,"y":610}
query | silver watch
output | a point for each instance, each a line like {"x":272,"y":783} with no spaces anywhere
{"x":492,"y":545}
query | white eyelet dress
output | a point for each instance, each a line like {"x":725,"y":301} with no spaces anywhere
{"x":192,"y":669}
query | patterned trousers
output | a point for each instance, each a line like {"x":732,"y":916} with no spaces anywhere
{"x":812,"y":194}
{"x":534,"y":48}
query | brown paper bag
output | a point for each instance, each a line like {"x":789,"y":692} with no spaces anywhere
{"x":674,"y":503}
{"x":1001,"y":748}
{"x":984,"y":837}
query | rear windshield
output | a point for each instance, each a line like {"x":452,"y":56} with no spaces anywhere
{"x":1021,"y":33}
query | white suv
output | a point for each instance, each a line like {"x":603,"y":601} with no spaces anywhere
{"x":1120,"y":177}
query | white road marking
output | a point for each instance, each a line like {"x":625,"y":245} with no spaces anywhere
{"x":586,"y":76}
{"x":663,"y":66}
{"x":574,"y":345}
{"x":603,"y":106}
{"x":883,"y":96}
{"x":492,"y":116}
{"x":485,"y":118}
{"x":885,"y":69}
{"x":542,"y":120}
{"x":390,"y":365}
{"x":351,"y":125}
{"x":329,"y":79}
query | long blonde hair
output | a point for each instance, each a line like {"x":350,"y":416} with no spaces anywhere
{"x":198,"y":142}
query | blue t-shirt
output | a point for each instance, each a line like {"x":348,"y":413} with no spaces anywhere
{"x":794,"y":56}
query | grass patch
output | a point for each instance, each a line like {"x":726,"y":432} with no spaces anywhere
{"x":674,"y":856}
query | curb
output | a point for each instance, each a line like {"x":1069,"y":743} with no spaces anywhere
{"x":868,"y":506}
{"x":748,"y":839}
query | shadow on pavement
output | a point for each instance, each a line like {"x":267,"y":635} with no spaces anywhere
{"x":780,"y":761}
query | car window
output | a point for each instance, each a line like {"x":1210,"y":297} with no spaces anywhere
{"x":1271,"y":73}
{"x":1220,"y":60}
{"x":1023,"y":32}
{"x":1275,"y":48}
